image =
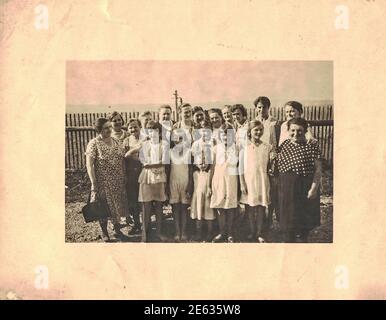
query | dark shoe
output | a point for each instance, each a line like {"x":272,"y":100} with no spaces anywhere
{"x":162,"y":238}
{"x":134,"y":230}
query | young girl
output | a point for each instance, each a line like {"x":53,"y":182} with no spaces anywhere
{"x":180,"y":182}
{"x":224,"y":182}
{"x":133,"y":168}
{"x":300,"y":170}
{"x":200,"y":209}
{"x":254,"y":180}
{"x":152,"y":180}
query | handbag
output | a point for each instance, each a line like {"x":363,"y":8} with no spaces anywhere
{"x":94,"y":211}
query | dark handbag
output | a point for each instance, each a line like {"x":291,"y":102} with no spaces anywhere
{"x":94,"y":211}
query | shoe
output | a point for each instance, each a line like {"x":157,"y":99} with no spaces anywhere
{"x":197,"y":238}
{"x":230,"y":239}
{"x":250,"y":237}
{"x":177,"y":238}
{"x":218,"y":238}
{"x":260,"y":239}
{"x":184,"y":238}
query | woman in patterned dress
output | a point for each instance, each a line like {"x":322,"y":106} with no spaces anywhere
{"x":300,"y":170}
{"x":105,"y":167}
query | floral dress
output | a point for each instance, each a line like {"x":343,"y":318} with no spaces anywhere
{"x":109,"y":173}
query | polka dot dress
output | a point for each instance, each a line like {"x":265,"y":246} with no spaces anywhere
{"x":298,"y":158}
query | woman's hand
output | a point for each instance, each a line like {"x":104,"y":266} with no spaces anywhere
{"x":209,"y":192}
{"x":312,"y":193}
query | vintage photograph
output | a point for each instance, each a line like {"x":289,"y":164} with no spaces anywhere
{"x":199,"y":151}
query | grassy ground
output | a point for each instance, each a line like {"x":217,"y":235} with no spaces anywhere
{"x":78,"y":186}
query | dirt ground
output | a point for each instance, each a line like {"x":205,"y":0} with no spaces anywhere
{"x":78,"y":186}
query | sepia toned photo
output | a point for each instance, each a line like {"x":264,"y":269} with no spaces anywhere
{"x":199,"y":151}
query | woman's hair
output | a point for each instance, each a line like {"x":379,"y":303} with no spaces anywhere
{"x":134,"y":120}
{"x":227,"y":106}
{"x":114,"y":114}
{"x":154,"y":125}
{"x":296,"y":105}
{"x":298,"y":121}
{"x":218,"y":111}
{"x":98,"y":124}
{"x":197,"y":109}
{"x":253,"y":124}
{"x":241,"y":108}
{"x":264,"y":100}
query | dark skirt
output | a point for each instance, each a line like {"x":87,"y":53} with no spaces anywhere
{"x":298,"y":214}
{"x":134,"y":168}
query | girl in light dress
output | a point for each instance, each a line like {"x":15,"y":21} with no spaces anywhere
{"x":200,"y":209}
{"x":254,"y":180}
{"x":180,"y":181}
{"x":154,"y":156}
{"x":224,"y":180}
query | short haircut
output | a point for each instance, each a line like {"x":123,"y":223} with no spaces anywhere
{"x":98,"y":124}
{"x":155,"y":125}
{"x":184,"y":105}
{"x":253,"y":124}
{"x":216,"y":110}
{"x":298,"y":121}
{"x":296,"y":105}
{"x":241,"y":108}
{"x":134,"y":120}
{"x":145,"y":114}
{"x":264,"y":100}
{"x":165,"y":106}
{"x":114,"y":114}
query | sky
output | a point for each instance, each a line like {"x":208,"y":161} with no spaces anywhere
{"x":153,"y":82}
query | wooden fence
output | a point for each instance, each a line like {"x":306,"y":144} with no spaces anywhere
{"x":77,"y":138}
{"x":310,"y":113}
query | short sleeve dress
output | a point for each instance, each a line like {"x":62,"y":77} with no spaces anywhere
{"x":255,"y":166}
{"x":225,"y":177}
{"x":296,"y":165}
{"x":109,"y":172}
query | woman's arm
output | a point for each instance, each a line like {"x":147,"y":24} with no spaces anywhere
{"x":90,"y":164}
{"x":243,"y":185}
{"x":316,"y":181}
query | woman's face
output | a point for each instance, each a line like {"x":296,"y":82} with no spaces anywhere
{"x":177,"y":137}
{"x":153,"y":134}
{"x":165,"y":114}
{"x":215,"y":119}
{"x":227,"y":115}
{"x":291,"y":113}
{"x":106,"y":130}
{"x":238,"y":116}
{"x":262,"y":111}
{"x":144,"y":120}
{"x":117,"y":122}
{"x":297,"y":133}
{"x":198,"y":116}
{"x":257,"y":132}
{"x":186,"y":113}
{"x":133,"y":128}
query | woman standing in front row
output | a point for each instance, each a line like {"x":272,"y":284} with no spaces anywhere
{"x":300,"y":170}
{"x":105,"y":167}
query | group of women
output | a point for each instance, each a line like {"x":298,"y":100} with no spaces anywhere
{"x":207,"y":166}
